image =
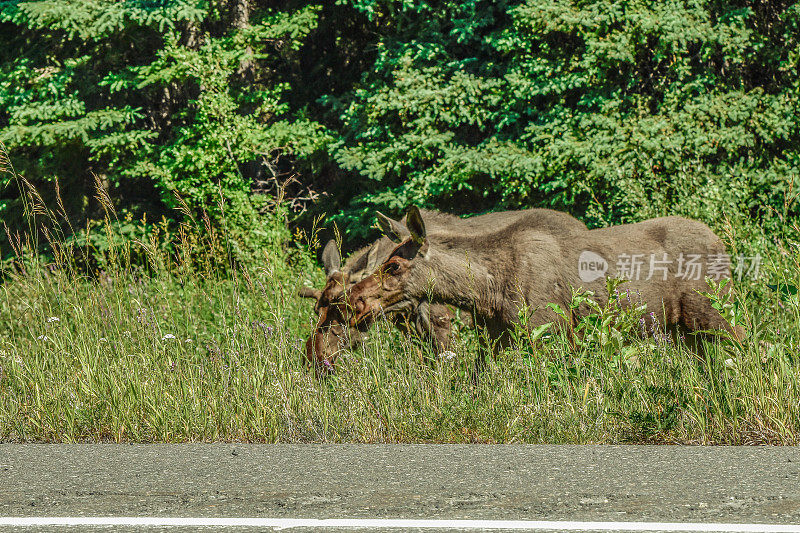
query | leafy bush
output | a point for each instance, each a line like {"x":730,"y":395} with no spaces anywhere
{"x":156,"y":99}
{"x":615,"y":111}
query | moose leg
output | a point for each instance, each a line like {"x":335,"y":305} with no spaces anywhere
{"x":494,"y":336}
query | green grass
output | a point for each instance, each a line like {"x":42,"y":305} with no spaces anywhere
{"x":93,"y":358}
{"x":144,"y":335}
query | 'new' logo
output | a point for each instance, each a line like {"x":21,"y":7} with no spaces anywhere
{"x":591,"y":266}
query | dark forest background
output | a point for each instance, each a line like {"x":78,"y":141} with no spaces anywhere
{"x":258,"y":116}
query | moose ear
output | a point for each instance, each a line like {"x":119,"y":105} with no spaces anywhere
{"x":309,"y":292}
{"x":393,"y":229}
{"x":331,"y":258}
{"x":408,"y":250}
{"x":415,"y":225}
{"x":372,"y":260}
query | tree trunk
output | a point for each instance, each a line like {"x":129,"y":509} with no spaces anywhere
{"x":240,"y":19}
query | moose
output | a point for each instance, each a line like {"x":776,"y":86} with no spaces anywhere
{"x":431,"y":321}
{"x":499,"y":270}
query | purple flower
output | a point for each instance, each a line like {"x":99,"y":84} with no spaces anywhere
{"x":265,"y":329}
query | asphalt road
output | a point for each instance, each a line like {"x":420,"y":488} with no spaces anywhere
{"x":498,"y":482}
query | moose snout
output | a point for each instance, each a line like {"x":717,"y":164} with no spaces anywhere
{"x":318,"y":355}
{"x":308,"y":355}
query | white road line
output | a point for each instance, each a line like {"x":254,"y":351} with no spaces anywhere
{"x":288,"y":523}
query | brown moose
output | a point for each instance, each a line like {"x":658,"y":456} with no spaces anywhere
{"x":432,"y":320}
{"x":496,"y":270}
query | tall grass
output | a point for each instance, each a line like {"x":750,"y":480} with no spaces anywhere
{"x":164,"y":338}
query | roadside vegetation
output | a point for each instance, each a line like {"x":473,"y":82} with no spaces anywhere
{"x":179,"y":162}
{"x":168,"y":338}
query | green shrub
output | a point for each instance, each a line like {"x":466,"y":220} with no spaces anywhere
{"x":614,"y":111}
{"x":154,"y":100}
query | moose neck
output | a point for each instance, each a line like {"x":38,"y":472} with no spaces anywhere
{"x":458,"y":277}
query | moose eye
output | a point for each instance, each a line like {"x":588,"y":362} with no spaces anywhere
{"x":390,"y":268}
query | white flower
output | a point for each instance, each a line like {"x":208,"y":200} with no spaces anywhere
{"x":729,"y":363}
{"x":43,"y":337}
{"x":189,"y":341}
{"x":54,"y":319}
{"x":102,"y":339}
{"x":168,"y":336}
{"x":447,"y":355}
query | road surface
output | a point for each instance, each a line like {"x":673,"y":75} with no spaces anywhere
{"x":692,"y":485}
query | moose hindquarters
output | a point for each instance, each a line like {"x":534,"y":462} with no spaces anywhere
{"x":697,"y":314}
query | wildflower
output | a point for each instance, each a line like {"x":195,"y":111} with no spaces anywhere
{"x":729,"y":363}
{"x":189,"y":341}
{"x":53,"y":319}
{"x":447,"y":355}
{"x":141,"y":316}
{"x":265,"y":329}
{"x":328,"y":365}
{"x":168,"y":336}
{"x":102,"y":339}
{"x":43,"y":338}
